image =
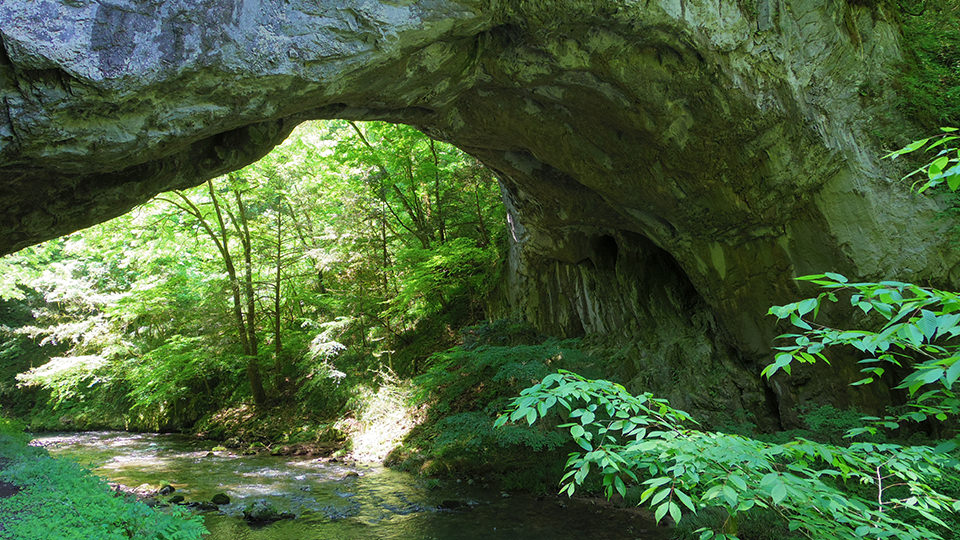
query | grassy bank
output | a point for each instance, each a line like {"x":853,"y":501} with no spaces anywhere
{"x":42,"y":498}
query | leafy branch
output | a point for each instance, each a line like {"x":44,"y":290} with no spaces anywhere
{"x":642,"y":441}
{"x":918,"y":332}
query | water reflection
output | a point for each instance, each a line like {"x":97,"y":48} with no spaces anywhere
{"x":335,"y":500}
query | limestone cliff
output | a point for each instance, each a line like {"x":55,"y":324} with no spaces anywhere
{"x":668,"y":165}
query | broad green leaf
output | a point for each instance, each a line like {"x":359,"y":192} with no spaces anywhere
{"x":836,"y":277}
{"x":806,"y":306}
{"x":797,"y":321}
{"x":675,"y":512}
{"x":661,"y":495}
{"x":738,"y":481}
{"x":620,"y":487}
{"x":928,"y":323}
{"x":659,"y":481}
{"x":912,"y":334}
{"x":912,"y":147}
{"x":952,"y":175}
{"x":936,"y":166}
{"x":686,"y":500}
{"x":542,"y":409}
{"x":779,"y":492}
{"x":952,"y":374}
{"x":660,"y":512}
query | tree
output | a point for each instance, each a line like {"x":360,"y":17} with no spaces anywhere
{"x":211,"y":297}
{"x":218,"y":233}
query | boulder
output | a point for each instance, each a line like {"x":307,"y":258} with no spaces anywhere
{"x":261,"y":512}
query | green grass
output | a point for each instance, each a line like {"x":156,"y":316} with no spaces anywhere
{"x":59,"y":500}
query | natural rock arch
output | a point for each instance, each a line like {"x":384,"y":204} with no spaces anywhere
{"x":668,"y":165}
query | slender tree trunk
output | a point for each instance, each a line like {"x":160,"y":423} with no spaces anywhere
{"x":231,"y":271}
{"x":277,"y":345}
{"x":250,"y":294}
{"x":253,"y":371}
{"x":222,"y":242}
{"x":441,"y":224}
{"x":386,"y":254}
{"x":249,"y":346}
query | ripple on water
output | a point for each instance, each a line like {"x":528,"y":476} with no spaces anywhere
{"x":333,"y":500}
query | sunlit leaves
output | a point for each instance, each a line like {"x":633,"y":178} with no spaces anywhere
{"x":916,"y":328}
{"x":678,"y":468}
{"x":944,"y":167}
{"x":330,"y":241}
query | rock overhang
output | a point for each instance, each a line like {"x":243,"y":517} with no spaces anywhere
{"x":731,"y":142}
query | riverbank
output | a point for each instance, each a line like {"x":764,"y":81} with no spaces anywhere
{"x":42,"y":498}
{"x":438,"y":425}
{"x":331,"y":499}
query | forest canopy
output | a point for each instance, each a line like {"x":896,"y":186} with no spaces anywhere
{"x":271,"y":283}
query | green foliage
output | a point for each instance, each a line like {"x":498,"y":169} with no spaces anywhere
{"x":322,"y":386}
{"x":907,"y":333}
{"x":66,"y":378}
{"x":59,"y":499}
{"x":821,"y":423}
{"x":821,"y":491}
{"x":465,"y":387}
{"x":945,"y":167}
{"x":828,"y":423}
{"x":173,"y":384}
{"x":462,"y":378}
{"x":14,"y":430}
{"x":457,"y":271}
{"x":366,"y":238}
{"x":931,"y":78}
{"x":916,"y":331}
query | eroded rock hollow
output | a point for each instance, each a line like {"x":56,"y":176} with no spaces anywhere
{"x":668,"y":165}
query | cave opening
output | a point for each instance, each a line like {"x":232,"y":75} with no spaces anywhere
{"x":605,"y":250}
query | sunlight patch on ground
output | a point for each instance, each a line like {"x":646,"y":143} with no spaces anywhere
{"x":386,"y":417}
{"x":234,"y":415}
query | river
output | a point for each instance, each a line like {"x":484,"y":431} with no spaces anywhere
{"x":338,"y":500}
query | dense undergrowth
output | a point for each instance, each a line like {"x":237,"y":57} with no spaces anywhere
{"x":56,"y":498}
{"x":464,"y":389}
{"x":930,"y":82}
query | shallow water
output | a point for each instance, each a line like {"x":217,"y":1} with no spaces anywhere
{"x":336,"y":500}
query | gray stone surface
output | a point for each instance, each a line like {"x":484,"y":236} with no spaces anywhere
{"x":669,"y":165}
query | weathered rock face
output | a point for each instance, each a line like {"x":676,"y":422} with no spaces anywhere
{"x":669,"y":165}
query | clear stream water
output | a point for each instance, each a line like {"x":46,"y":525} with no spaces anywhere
{"x":332,"y":503}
